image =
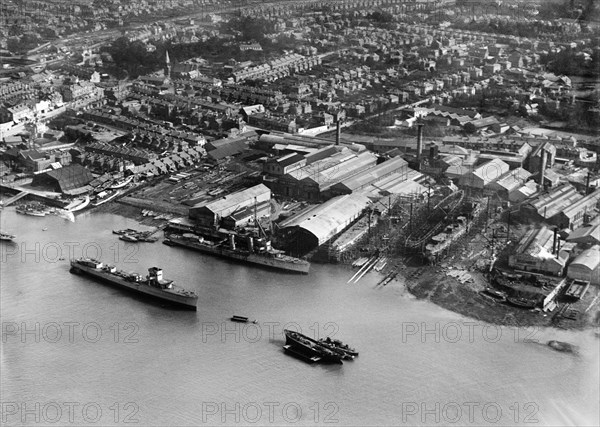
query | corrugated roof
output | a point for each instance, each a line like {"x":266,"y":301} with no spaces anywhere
{"x":584,"y":234}
{"x":373,"y":174}
{"x":227,"y":204}
{"x":589,"y":259}
{"x":556,"y":201}
{"x":511,"y":180}
{"x":71,"y":177}
{"x":491,"y":170}
{"x":326,"y":220}
{"x":584,"y":203}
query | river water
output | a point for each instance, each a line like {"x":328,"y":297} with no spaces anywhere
{"x":78,"y":352}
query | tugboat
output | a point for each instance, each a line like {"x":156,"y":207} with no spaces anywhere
{"x":153,"y":285}
{"x":7,"y":237}
{"x":310,"y":348}
{"x":346,"y":351}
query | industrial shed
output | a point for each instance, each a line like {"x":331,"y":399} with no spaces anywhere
{"x":72,"y":179}
{"x":586,"y":266}
{"x":210,"y":214}
{"x":363,"y":179}
{"x":587,"y":235}
{"x":539,"y":251}
{"x":485,"y":174}
{"x":318,"y":224}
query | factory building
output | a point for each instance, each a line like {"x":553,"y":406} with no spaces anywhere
{"x":318,"y":224}
{"x":237,"y":208}
{"x":71,"y":180}
{"x":312,"y":181}
{"x":510,"y":182}
{"x":549,"y":204}
{"x":538,"y":251}
{"x":585,"y":235}
{"x":484,"y":175}
{"x":582,"y":211}
{"x":586,"y":266}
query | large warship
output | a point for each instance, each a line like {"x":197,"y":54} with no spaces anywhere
{"x":250,"y":249}
{"x":153,"y":284}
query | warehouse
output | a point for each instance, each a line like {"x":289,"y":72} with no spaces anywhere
{"x":212,"y":213}
{"x":484,"y":174}
{"x":586,"y":235}
{"x":396,"y":166}
{"x":71,"y":180}
{"x":586,"y":266}
{"x":317,"y":224}
{"x":550,"y":204}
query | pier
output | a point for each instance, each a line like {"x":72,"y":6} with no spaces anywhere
{"x":14,"y":198}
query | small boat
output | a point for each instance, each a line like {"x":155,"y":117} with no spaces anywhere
{"x":169,"y":242}
{"x":6,"y":237}
{"x":241,"y":319}
{"x":360,"y":262}
{"x":79,"y":206}
{"x":106,"y":196}
{"x":494,"y":294}
{"x":28,"y":210}
{"x":128,"y":238}
{"x":121,"y":183}
{"x":565,"y":347}
{"x":124,"y":231}
{"x":521,"y":302}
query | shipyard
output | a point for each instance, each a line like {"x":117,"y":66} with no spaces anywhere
{"x":281,"y":175}
{"x":435,"y":158}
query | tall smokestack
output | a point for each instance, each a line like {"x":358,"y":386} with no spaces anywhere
{"x":554,"y":241}
{"x":587,"y":184}
{"x":419,"y":143}
{"x":338,"y":132}
{"x":543,"y":171}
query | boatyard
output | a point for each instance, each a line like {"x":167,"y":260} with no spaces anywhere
{"x":410,"y":240}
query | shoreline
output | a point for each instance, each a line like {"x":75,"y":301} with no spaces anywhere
{"x":464,"y":299}
{"x":432,"y":283}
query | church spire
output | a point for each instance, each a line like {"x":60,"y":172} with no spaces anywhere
{"x":167,"y":65}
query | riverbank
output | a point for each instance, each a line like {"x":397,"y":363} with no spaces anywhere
{"x":443,"y":285}
{"x":435,"y":285}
